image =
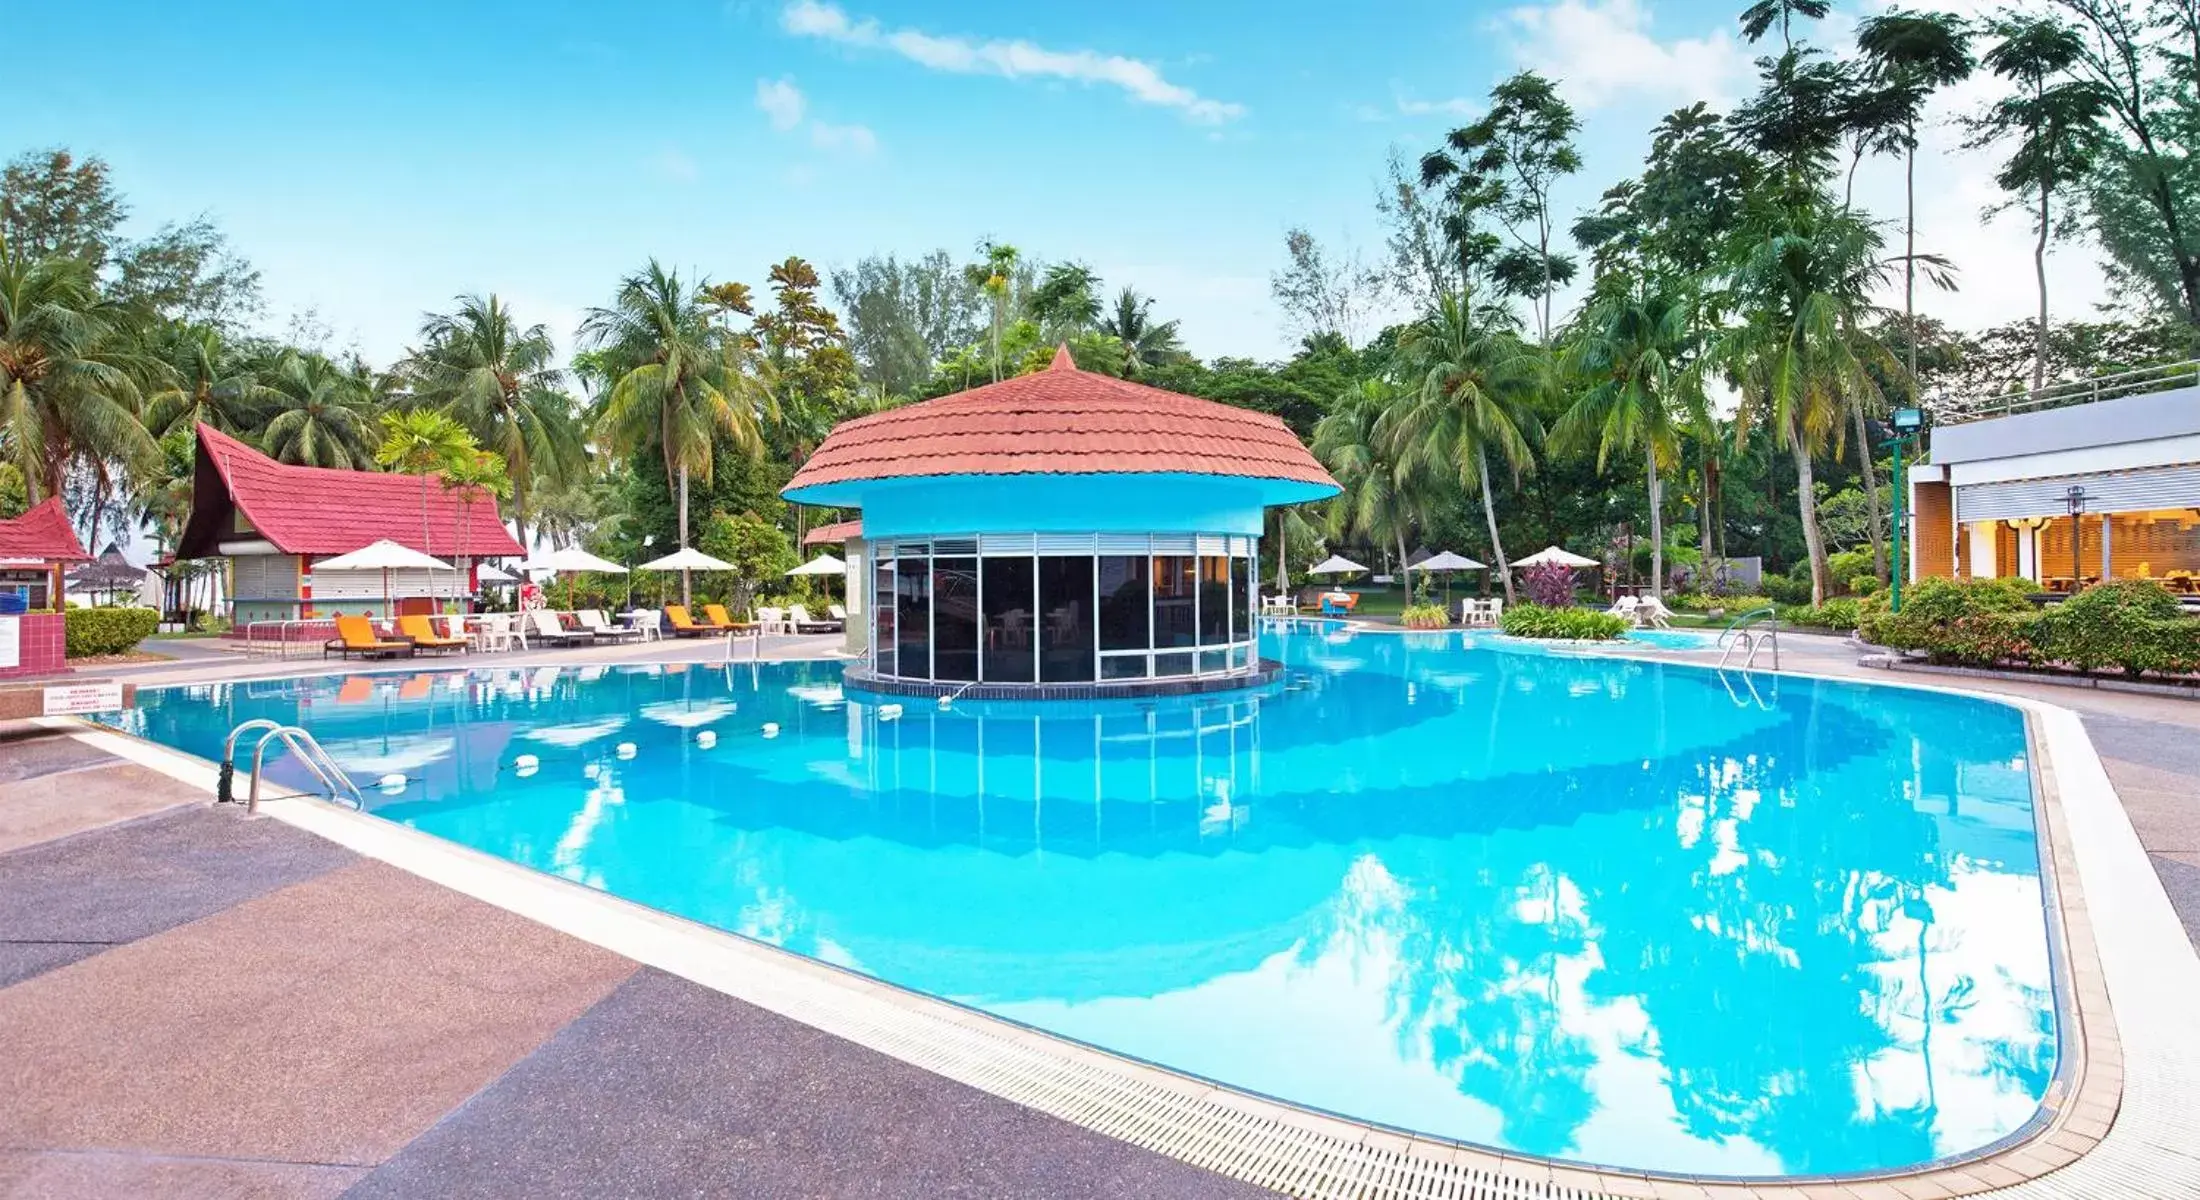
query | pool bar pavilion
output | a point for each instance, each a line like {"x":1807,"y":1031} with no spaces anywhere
{"x":1063,"y":533}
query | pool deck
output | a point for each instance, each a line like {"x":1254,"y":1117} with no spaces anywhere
{"x":197,"y":1003}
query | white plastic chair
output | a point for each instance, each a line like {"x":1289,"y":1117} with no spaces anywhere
{"x":772,"y":620}
{"x":493,"y":632}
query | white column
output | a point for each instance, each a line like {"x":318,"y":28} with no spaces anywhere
{"x":1983,"y":565}
{"x":2028,"y":551}
{"x":2107,"y":537}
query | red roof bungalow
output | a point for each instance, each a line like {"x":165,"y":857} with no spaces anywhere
{"x":273,"y":521}
{"x":33,"y":550}
{"x":1060,"y":528}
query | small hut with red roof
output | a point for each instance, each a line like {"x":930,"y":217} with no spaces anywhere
{"x":273,"y":521}
{"x":1062,"y":528}
{"x":34,"y":549}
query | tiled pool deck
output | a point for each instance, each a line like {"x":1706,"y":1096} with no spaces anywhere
{"x":192,"y":1003}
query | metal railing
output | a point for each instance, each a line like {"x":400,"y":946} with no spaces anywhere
{"x":1953,"y":410}
{"x":1749,"y":633}
{"x":301,"y":745}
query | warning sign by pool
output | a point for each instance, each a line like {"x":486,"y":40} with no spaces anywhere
{"x":65,"y":698}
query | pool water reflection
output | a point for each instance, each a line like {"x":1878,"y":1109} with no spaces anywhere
{"x":1604,"y":910}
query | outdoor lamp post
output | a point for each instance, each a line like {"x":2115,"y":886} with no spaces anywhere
{"x":2075,"y":500}
{"x":1908,"y":423}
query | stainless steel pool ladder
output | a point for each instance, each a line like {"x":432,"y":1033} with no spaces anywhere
{"x":300,"y":743}
{"x":1750,"y":632}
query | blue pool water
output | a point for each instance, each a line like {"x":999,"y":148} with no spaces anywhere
{"x":1607,"y":910}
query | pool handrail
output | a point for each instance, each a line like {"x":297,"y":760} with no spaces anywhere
{"x":309,"y":752}
{"x":1739,"y":634}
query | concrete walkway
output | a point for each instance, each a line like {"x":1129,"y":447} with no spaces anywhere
{"x":193,"y":1003}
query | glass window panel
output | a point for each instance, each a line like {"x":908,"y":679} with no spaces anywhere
{"x":1240,"y":657}
{"x":1172,"y":664}
{"x":1123,"y":666}
{"x":1213,"y":661}
{"x":1125,"y":603}
{"x":1065,"y":605}
{"x":1010,"y":656}
{"x":1241,"y":599}
{"x":1214,"y":600}
{"x":955,"y":618}
{"x":882,"y":618}
{"x":1172,"y":601}
{"x":913,"y":617}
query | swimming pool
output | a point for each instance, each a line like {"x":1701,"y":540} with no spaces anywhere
{"x":1607,"y":910}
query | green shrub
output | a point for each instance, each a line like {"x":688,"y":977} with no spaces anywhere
{"x":2132,"y":625}
{"x":1843,"y":613}
{"x":1781,"y":589}
{"x":94,"y":631}
{"x":1968,"y":621}
{"x":1583,"y":624}
{"x":1424,"y":616}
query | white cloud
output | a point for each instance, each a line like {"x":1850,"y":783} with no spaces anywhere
{"x":855,"y":139}
{"x":1602,"y":52}
{"x":781,"y":101}
{"x":1016,"y":59}
{"x":1457,"y":106}
{"x":787,"y":109}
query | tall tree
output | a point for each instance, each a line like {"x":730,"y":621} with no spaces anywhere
{"x":1146,"y":342}
{"x":995,"y":275}
{"x":69,"y":373}
{"x":1630,"y":354}
{"x":1473,"y":381}
{"x":2146,"y":195}
{"x":2056,"y":123}
{"x":905,"y":317}
{"x":1381,"y":492}
{"x":1067,"y":300}
{"x":53,"y":204}
{"x":1518,"y":151}
{"x":322,"y":417}
{"x":500,"y":381}
{"x":205,"y":381}
{"x":680,"y":379}
{"x":1911,"y":55}
{"x":1759,"y":18}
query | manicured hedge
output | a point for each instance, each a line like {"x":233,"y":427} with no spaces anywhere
{"x":2130,"y":625}
{"x":1586,"y":624}
{"x":94,"y":631}
{"x":1843,"y":613}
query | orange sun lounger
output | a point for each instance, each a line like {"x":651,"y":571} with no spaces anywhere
{"x":355,"y":635}
{"x":721,"y":622}
{"x":424,"y":637}
{"x":684,"y":625}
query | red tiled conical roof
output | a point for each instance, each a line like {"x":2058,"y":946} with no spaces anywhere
{"x":42,"y":532}
{"x":1061,"y":421}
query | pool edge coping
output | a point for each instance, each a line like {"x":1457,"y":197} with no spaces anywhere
{"x":1270,"y":1142}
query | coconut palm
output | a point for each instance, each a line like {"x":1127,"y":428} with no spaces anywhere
{"x":205,"y":383}
{"x":680,"y":377}
{"x":481,"y":475}
{"x":1473,"y":380}
{"x":1146,"y":343}
{"x":1380,"y":494}
{"x":499,"y":380}
{"x":1630,"y":353}
{"x":322,"y":418}
{"x":1911,"y":55}
{"x":1801,"y":281}
{"x":995,"y":277}
{"x":69,"y":390}
{"x":423,"y":442}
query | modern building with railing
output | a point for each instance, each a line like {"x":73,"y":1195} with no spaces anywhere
{"x":2073,"y":483}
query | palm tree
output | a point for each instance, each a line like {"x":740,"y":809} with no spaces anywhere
{"x":1913,"y":55}
{"x":2058,"y":130}
{"x":1629,"y":352}
{"x":499,"y":380}
{"x":69,"y":388}
{"x":1380,"y":493}
{"x":207,"y":383}
{"x":477,"y":476}
{"x":679,"y":378}
{"x":1146,"y":343}
{"x":1801,"y":284}
{"x":994,"y":277}
{"x":322,"y":420}
{"x":1760,"y":16}
{"x":423,"y":442}
{"x":1475,"y":378}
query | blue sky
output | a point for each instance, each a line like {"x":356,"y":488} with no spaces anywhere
{"x":376,"y":160}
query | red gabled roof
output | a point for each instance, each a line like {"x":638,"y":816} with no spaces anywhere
{"x":43,"y":532}
{"x":833,"y":534}
{"x":1061,"y":421}
{"x":318,"y":510}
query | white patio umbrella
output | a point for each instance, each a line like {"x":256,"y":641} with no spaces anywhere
{"x":686,"y":559}
{"x":387,"y":556}
{"x":823,"y":564}
{"x":1553,"y":554}
{"x":1335,"y":564}
{"x":570,"y":560}
{"x":1447,"y":562}
{"x":494,"y":574}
